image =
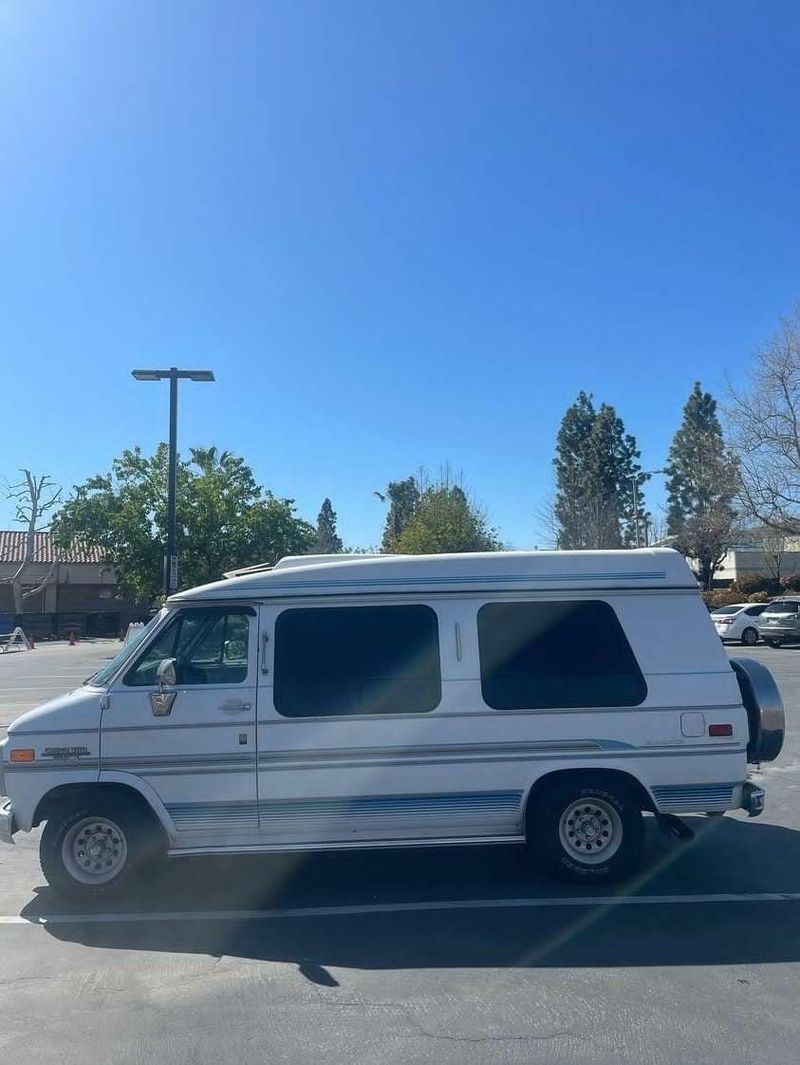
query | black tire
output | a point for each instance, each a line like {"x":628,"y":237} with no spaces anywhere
{"x":750,"y":636}
{"x":131,"y":826}
{"x":772,"y":642}
{"x":599,"y":793}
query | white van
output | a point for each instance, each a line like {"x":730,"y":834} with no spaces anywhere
{"x":334,"y":702}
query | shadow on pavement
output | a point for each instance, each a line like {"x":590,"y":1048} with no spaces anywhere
{"x":729,"y":856}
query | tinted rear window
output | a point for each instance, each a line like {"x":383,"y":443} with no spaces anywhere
{"x":781,"y":607}
{"x":551,"y":655}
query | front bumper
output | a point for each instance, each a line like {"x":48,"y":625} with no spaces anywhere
{"x":7,"y":824}
{"x":753,"y":799}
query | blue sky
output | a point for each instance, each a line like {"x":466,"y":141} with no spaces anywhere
{"x":400,"y":233}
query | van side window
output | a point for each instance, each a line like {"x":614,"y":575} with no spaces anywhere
{"x":339,"y":661}
{"x":209,"y":647}
{"x":546,"y":655}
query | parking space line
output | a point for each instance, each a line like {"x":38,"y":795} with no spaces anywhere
{"x":602,"y":901}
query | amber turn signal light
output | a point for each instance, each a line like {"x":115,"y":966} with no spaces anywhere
{"x":22,"y":754}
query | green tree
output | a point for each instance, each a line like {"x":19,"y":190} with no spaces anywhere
{"x":596,"y":466}
{"x":328,"y":541}
{"x":403,"y":499}
{"x":224,"y":519}
{"x":445,"y":520}
{"x":702,"y":484}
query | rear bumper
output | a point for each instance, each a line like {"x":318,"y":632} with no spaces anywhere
{"x":7,"y":824}
{"x":753,"y":799}
{"x":783,"y":633}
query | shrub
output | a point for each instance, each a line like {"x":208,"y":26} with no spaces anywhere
{"x":721,"y":597}
{"x":759,"y":597}
{"x":757,"y":582}
{"x":791,"y":584}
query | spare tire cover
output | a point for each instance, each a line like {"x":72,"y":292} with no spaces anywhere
{"x":764,"y":706}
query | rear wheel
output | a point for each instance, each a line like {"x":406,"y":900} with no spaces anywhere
{"x":772,"y":642}
{"x":587,"y":829}
{"x":750,"y":636}
{"x":93,"y":848}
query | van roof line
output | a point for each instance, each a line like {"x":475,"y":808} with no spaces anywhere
{"x":514,"y":570}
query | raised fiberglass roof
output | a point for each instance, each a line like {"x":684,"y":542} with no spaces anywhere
{"x":497,"y":570}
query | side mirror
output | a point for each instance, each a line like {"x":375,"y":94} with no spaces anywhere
{"x":166,"y":674}
{"x":161,"y":701}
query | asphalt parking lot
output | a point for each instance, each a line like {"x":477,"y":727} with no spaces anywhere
{"x":448,"y":956}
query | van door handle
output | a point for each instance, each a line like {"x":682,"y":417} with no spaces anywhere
{"x":234,"y":706}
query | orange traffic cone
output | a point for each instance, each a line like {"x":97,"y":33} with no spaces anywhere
{"x":72,"y":640}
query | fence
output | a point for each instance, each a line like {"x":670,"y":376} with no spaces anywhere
{"x":59,"y":625}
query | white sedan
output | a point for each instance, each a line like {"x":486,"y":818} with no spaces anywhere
{"x":738,"y":621}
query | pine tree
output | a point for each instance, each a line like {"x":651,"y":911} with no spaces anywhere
{"x":328,"y":541}
{"x":701,"y":487}
{"x":596,"y":465}
{"x":573,"y":498}
{"x":403,"y":501}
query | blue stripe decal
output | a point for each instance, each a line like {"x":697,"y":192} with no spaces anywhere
{"x":693,"y":796}
{"x":197,"y":816}
{"x":361,"y":809}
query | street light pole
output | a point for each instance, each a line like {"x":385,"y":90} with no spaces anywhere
{"x":634,"y":478}
{"x":636,"y":510}
{"x":173,"y":375}
{"x":171,"y":561}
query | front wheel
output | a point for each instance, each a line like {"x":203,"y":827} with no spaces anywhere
{"x":587,"y":829}
{"x":772,"y":642}
{"x":93,"y":848}
{"x":750,"y":636}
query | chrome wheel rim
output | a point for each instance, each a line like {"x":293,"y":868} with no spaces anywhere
{"x":94,"y":850}
{"x":590,"y":831}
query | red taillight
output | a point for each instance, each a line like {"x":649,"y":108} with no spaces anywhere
{"x":720,"y":730}
{"x":724,"y":621}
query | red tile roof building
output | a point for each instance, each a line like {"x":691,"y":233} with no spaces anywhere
{"x":80,"y":589}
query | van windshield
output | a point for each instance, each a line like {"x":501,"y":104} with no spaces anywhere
{"x":106,"y":672}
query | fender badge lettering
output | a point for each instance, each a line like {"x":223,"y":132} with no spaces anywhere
{"x":65,"y":752}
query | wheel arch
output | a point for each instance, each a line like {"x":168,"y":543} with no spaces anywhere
{"x":610,"y":775}
{"x":133,"y":790}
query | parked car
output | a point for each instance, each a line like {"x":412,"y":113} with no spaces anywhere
{"x":737,"y":622}
{"x":780,"y":621}
{"x":358,"y":702}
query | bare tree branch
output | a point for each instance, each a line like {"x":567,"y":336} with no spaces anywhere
{"x":34,"y":498}
{"x":764,"y":424}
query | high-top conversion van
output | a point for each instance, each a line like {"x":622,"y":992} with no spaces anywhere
{"x":542,"y":698}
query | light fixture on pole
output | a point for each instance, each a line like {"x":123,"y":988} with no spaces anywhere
{"x":634,"y":478}
{"x":173,"y":375}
